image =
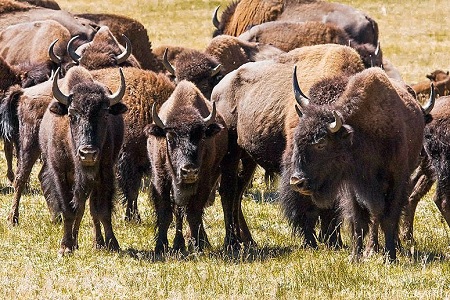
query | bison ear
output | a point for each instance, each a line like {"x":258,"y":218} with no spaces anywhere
{"x":117,"y":109}
{"x":154,"y":130}
{"x":213,"y":129}
{"x":58,"y":108}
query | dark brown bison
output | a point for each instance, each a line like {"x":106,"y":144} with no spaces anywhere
{"x":134,"y":30}
{"x":257,"y":104}
{"x":80,"y":137}
{"x":195,"y":66}
{"x":433,"y":168}
{"x":358,"y":151}
{"x":186,"y":144}
{"x":241,"y":15}
{"x":143,"y":89}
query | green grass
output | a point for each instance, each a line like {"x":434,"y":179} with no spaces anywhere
{"x":414,"y":36}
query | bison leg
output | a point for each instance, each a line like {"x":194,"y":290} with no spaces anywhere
{"x":69,"y":240}
{"x":330,"y":224}
{"x":423,"y":180}
{"x":129,"y":181}
{"x":228,"y":191}
{"x":199,"y":239}
{"x":28,"y":154}
{"x":442,"y":199}
{"x":164,"y":217}
{"x":101,"y":205}
{"x":179,"y":243}
{"x":359,"y":219}
{"x":372,"y":245}
{"x":9,"y":151}
{"x":244,"y":178}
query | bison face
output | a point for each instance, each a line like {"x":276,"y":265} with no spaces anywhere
{"x":320,"y":156}
{"x":186,"y":145}
{"x":89,"y":107}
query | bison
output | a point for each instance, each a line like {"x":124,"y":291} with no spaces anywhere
{"x":241,"y":15}
{"x":256,"y":102}
{"x":186,"y":143}
{"x":80,"y":137}
{"x":290,"y":35}
{"x":433,"y":167}
{"x":358,"y":151}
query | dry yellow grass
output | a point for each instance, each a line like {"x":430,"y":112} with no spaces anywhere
{"x":414,"y":36}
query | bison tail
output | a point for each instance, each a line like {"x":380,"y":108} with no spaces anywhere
{"x":9,"y":121}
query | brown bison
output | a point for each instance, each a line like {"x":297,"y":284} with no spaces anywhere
{"x":357,"y":151}
{"x":43,"y":3}
{"x":144,"y":88}
{"x":290,"y":35}
{"x":241,"y":15}
{"x":103,"y":51}
{"x":134,"y":30}
{"x":257,"y":104}
{"x":438,"y":75}
{"x":186,"y":144}
{"x":80,"y":138}
{"x":434,"y":166}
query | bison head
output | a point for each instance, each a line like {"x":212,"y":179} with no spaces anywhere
{"x":89,"y":106}
{"x":200,"y":68}
{"x":321,"y":143}
{"x":185,"y":135}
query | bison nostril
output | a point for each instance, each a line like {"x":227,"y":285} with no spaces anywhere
{"x":299,"y":184}
{"x":189,"y":173}
{"x":297,"y":181}
{"x":88,"y":153}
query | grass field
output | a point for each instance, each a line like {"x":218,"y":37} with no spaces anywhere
{"x":415,"y":36}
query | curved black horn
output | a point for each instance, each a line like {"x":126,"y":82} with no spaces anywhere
{"x":216,"y":70}
{"x":215,"y":19}
{"x":430,"y":104}
{"x":57,"y":94}
{"x":117,"y":96}
{"x":55,"y":58}
{"x":156,"y":118}
{"x":298,"y":111}
{"x":212,"y":116}
{"x":301,"y":99}
{"x":75,"y":57}
{"x":337,"y":124}
{"x":167,"y":64}
{"x":121,"y":58}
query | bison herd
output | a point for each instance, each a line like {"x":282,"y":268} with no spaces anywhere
{"x":299,"y":88}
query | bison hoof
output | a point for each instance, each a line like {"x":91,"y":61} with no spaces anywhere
{"x":13,"y":218}
{"x":179,"y":244}
{"x":10,"y":175}
{"x":64,"y":251}
{"x":113,"y":245}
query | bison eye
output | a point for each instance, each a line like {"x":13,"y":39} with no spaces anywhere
{"x":320,"y":144}
{"x":171,"y":137}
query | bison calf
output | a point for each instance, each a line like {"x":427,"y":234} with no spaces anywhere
{"x":186,"y":144}
{"x":80,"y":137}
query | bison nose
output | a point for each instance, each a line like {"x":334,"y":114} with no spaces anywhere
{"x":300,"y":185}
{"x":189,"y":174}
{"x":88,"y":155}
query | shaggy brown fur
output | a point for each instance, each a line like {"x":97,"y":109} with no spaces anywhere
{"x":257,"y":103}
{"x":134,"y":30}
{"x":43,"y":3}
{"x":143,"y":89}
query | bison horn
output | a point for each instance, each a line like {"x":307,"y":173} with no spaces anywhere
{"x":216,"y":70}
{"x":167,"y":64}
{"x":430,"y":104}
{"x":57,"y":94}
{"x":377,"y":50}
{"x":124,"y":56}
{"x":337,"y":124}
{"x":212,"y":116}
{"x":55,"y":58}
{"x":117,"y":96}
{"x":215,"y":19}
{"x":301,"y":99}
{"x":299,"y":112}
{"x":156,"y":118}
{"x":75,"y":57}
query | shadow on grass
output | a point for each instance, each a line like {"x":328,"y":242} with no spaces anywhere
{"x":252,"y":254}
